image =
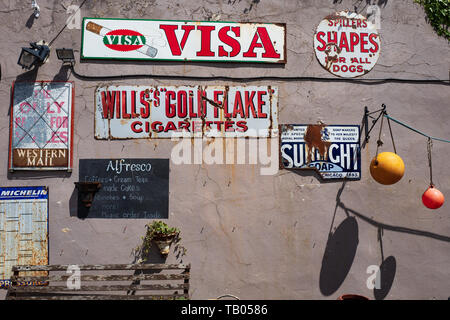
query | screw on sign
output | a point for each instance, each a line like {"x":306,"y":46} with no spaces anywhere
{"x":347,"y":44}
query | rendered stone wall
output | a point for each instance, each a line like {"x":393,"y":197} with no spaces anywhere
{"x":262,"y":236}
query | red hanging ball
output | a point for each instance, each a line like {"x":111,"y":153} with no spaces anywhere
{"x":432,"y":198}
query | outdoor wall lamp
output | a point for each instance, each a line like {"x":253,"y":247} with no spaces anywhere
{"x":37,"y":10}
{"x":66,"y":55}
{"x":86,"y":191}
{"x":37,"y":54}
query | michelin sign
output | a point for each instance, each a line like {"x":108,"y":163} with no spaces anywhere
{"x":332,"y":150}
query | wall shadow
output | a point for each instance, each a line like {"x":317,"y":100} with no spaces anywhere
{"x":37,"y":174}
{"x":387,"y":274}
{"x":339,"y":254}
{"x":63,"y":73}
{"x":30,"y":21}
{"x":341,"y":248}
{"x":395,"y":228}
{"x":214,"y":64}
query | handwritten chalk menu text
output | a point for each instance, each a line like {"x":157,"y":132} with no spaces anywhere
{"x":130,"y":188}
{"x":41,"y":126}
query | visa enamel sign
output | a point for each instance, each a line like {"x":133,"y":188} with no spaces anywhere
{"x":183,"y":40}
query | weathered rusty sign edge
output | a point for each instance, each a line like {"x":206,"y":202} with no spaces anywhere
{"x":314,"y":169}
{"x":280,"y":61}
{"x":47,"y":197}
{"x":11,"y":167}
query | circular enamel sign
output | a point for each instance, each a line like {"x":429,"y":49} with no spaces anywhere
{"x":347,"y":44}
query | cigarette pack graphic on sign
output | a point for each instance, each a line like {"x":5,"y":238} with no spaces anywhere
{"x":347,"y":44}
{"x":331,"y":150}
{"x":183,"y":40}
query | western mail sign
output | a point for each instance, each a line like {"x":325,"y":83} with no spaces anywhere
{"x":126,"y":112}
{"x":332,"y":150}
{"x":183,"y":40}
{"x":41,"y":126}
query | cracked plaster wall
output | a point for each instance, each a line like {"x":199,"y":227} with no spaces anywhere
{"x":261,"y":237}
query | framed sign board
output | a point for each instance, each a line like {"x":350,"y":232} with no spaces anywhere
{"x":132,"y":112}
{"x":130,"y":188}
{"x":167,"y":40}
{"x":332,"y":150}
{"x":41,"y":126}
{"x":23,"y":230}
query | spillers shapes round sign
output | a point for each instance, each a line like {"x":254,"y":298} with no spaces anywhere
{"x":347,"y":44}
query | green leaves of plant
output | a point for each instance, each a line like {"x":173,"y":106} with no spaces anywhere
{"x":438,"y":13}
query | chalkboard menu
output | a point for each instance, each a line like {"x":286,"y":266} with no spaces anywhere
{"x":130,"y":188}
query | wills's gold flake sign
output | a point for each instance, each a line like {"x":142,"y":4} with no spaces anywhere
{"x":41,"y":126}
{"x":183,"y":40}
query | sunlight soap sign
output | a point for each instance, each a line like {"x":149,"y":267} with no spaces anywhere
{"x":332,"y":150}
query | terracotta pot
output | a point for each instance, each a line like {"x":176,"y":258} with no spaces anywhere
{"x":164,"y":246}
{"x":352,"y":297}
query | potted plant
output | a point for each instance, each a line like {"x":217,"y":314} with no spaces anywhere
{"x":160,"y":233}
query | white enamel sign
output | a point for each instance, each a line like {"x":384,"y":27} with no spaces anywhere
{"x":127,"y":112}
{"x":347,"y":44}
{"x":183,"y":40}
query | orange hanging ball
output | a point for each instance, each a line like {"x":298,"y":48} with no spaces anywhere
{"x":432,"y":198}
{"x":387,"y":168}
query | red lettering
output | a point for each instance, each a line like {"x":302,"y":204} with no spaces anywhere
{"x":205,"y":50}
{"x":330,"y":39}
{"x":229,"y":126}
{"x":145,"y":110}
{"x":134,"y":125}
{"x":183,"y":125}
{"x":261,"y":103}
{"x":169,"y":30}
{"x":219,"y":125}
{"x":192,"y":114}
{"x":125,"y":115}
{"x":156,"y":101}
{"x":157,"y":126}
{"x":372,"y":38}
{"x":117,"y":94}
{"x":319,"y":37}
{"x":266,"y":42}
{"x":344,"y":43}
{"x":216,"y":100}
{"x":133,"y":105}
{"x":238,"y":105}
{"x":249,"y":104}
{"x":363,"y":42}
{"x":233,"y":43}
{"x":170,"y":126}
{"x":108,"y":104}
{"x":354,"y":40}
{"x":170,"y":108}
{"x":201,"y":103}
{"x":242,"y":125}
{"x":182,"y":104}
